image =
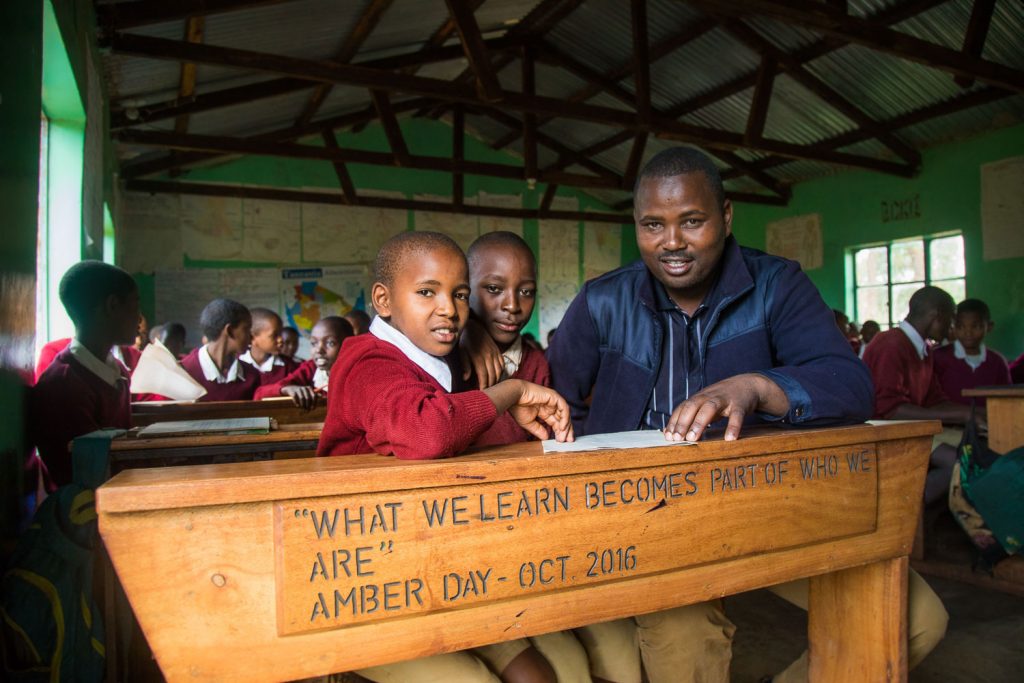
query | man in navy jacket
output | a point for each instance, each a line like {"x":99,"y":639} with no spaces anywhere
{"x":699,"y":331}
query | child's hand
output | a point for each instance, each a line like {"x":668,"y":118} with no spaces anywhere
{"x":480,"y":354}
{"x":539,"y":406}
{"x":304,"y":397}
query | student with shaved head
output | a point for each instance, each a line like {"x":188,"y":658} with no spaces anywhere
{"x":264,"y":354}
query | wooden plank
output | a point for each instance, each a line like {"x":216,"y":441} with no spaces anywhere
{"x":1005,"y":414}
{"x":641,"y":59}
{"x":189,"y":71}
{"x":529,"y":120}
{"x":348,"y":188}
{"x":476,"y":52}
{"x":393,"y":131}
{"x":857,"y":623}
{"x":762,"y":99}
{"x":218,"y":561}
{"x":282,"y":410}
{"x":458,"y":153}
{"x":974,"y":36}
{"x":636,"y":156}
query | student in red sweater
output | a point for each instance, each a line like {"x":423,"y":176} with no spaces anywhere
{"x":503,"y":282}
{"x":310,"y":379}
{"x":228,"y":327}
{"x":906,"y":385}
{"x":263,"y":353}
{"x":967,"y":363}
{"x":85,"y":388}
{"x":389,"y":393}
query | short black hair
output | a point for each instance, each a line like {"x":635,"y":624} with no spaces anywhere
{"x":358,"y":314}
{"x":499,"y":238}
{"x":261,"y":318}
{"x":929,"y":299}
{"x":87,"y":284}
{"x":289,"y":329}
{"x":342,"y":327}
{"x":220,"y":313}
{"x":172,"y":330}
{"x":677,"y":161}
{"x":976,"y":306}
{"x":395,"y":250}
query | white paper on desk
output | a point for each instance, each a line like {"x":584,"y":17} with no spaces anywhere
{"x":158,"y":372}
{"x":641,"y":438}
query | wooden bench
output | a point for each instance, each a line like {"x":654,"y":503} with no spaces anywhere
{"x":278,"y":570}
{"x":282,"y":409}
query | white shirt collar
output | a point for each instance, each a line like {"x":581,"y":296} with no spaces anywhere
{"x":974,"y":361}
{"x":109,"y":369}
{"x":512,"y":358}
{"x":915,"y":338}
{"x":267,"y":364}
{"x":432,"y":365}
{"x":321,"y":378}
{"x":212,"y":374}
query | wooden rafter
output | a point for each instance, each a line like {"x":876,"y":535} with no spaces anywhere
{"x":393,"y":131}
{"x":549,"y":197}
{"x":476,"y":52}
{"x":641,"y":59}
{"x":529,"y":120}
{"x":762,"y":98}
{"x":458,"y":153}
{"x":189,"y":71}
{"x":217,"y":190}
{"x":636,"y":155}
{"x":348,"y":188}
{"x":974,"y":37}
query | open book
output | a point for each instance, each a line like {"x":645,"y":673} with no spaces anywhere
{"x":238,"y":425}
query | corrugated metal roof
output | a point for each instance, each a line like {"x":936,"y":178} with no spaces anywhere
{"x":699,"y":66}
{"x":797,"y":115}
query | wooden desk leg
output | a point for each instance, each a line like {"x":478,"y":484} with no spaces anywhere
{"x":857,"y":624}
{"x":917,"y":552}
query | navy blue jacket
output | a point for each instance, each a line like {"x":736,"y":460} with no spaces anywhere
{"x":765,"y":316}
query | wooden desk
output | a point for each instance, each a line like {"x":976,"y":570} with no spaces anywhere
{"x":1005,"y":412}
{"x":282,"y":409}
{"x":279,"y":570}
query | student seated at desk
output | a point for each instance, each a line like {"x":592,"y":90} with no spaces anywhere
{"x":289,"y":344}
{"x":389,"y":393}
{"x":85,"y":388}
{"x":172,"y":336}
{"x":227,"y":325}
{"x":967,"y":363}
{"x":263,"y":352}
{"x":311,"y":377}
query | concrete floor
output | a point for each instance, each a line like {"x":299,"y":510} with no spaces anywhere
{"x":984,"y":642}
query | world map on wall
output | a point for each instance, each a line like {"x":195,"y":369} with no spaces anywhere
{"x":310,"y":302}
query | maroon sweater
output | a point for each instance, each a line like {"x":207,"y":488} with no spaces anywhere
{"x":900,"y":376}
{"x":1017,"y":370}
{"x":239,"y":390}
{"x":381,"y":401}
{"x":533,"y":368}
{"x":955,"y":374}
{"x":301,"y":376}
{"x":277,"y":372}
{"x":67,"y":402}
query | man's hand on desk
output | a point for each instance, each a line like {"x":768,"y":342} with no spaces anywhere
{"x":734,"y":398}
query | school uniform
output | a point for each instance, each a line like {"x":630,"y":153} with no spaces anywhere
{"x":389,"y":396}
{"x":902,"y":368}
{"x":957,"y":371}
{"x":128,"y":355}
{"x":521,"y":361}
{"x":307,"y":374}
{"x":1017,"y":370}
{"x":238,"y":383}
{"x":77,"y":394}
{"x":273,"y":369}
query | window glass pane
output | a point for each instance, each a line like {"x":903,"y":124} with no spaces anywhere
{"x":901,"y":299}
{"x":873,"y":304}
{"x":907,"y":261}
{"x":871,"y":266}
{"x":947,"y":258}
{"x":956,"y":288}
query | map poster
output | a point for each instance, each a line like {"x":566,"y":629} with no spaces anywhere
{"x":309,"y":294}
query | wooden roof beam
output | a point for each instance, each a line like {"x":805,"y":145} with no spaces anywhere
{"x":529,"y":120}
{"x":393,"y":131}
{"x":636,"y":156}
{"x":758,"y":115}
{"x":458,"y":153}
{"x":871,"y":34}
{"x":641,"y":59}
{"x":348,"y":188}
{"x":476,"y":52}
{"x":977,"y":32}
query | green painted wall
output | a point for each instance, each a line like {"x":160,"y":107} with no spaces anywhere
{"x":950,"y":199}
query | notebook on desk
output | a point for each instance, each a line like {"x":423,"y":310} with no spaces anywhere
{"x":239,"y":425}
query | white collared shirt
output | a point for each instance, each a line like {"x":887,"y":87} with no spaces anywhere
{"x":267,"y":364}
{"x":974,"y":361}
{"x":432,"y":365}
{"x":512,"y":358}
{"x":212,"y":374}
{"x":109,"y":369}
{"x":321,"y":378}
{"x":915,"y":338}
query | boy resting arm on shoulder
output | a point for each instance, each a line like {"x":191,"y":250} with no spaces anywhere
{"x":227,"y":329}
{"x":390,"y":391}
{"x":311,"y":377}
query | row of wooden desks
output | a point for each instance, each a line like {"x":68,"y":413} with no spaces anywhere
{"x":1004,"y":408}
{"x":284,"y":569}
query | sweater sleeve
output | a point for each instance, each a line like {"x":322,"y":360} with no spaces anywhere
{"x":301,"y":376}
{"x":412,"y":418}
{"x":575,"y":359}
{"x":813,"y":363}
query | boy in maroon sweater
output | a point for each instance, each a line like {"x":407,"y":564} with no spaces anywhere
{"x":264,"y":350}
{"x":503,"y":282}
{"x":85,"y":388}
{"x":227,"y":326}
{"x":311,"y":377}
{"x":390,"y":393}
{"x":967,"y":363}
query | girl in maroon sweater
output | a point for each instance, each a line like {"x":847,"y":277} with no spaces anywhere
{"x":310,"y":379}
{"x":228,"y":327}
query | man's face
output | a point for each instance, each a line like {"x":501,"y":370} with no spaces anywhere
{"x":325,"y":341}
{"x":970,"y":329}
{"x":428,"y":301}
{"x":681,"y":231}
{"x":504,"y":283}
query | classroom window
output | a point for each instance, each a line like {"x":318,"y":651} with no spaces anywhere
{"x":885,"y":276}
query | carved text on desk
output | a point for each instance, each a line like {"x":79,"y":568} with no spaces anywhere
{"x":352,"y":559}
